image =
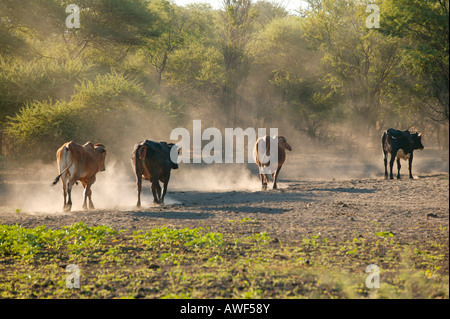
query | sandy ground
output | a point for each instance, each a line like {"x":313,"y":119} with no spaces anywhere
{"x":339,"y":196}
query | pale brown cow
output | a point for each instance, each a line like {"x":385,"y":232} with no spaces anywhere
{"x":262,"y":158}
{"x":79,"y":163}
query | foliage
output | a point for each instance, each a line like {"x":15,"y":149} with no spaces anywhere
{"x":198,"y":263}
{"x":50,"y":124}
{"x":180,"y":237}
{"x":253,"y":63}
{"x":423,"y":27}
{"x":22,"y":82}
{"x":238,"y":19}
{"x":283,"y":52}
{"x":358,"y":61}
{"x":31,"y":243}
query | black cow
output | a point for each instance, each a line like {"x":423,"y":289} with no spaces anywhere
{"x":152,"y":161}
{"x":401,"y":145}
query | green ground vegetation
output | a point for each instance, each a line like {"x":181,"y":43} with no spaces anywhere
{"x":199,"y":263}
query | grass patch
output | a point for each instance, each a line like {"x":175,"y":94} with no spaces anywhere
{"x":198,"y":263}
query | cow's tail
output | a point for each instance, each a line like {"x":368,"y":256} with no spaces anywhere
{"x":141,"y":153}
{"x":260,"y":161}
{"x":66,"y":152}
{"x":385,"y":139}
{"x":261,"y":157}
{"x":256,"y":154}
{"x":265,"y":159}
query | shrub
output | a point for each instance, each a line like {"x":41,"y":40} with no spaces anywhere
{"x":94,"y":113}
{"x":23,"y":82}
{"x":43,"y":126}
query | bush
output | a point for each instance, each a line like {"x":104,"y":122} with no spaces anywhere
{"x":22,"y":82}
{"x":48,"y":124}
{"x":94,"y":113}
{"x":108,"y":92}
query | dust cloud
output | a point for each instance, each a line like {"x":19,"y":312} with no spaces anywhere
{"x":214,"y":178}
{"x":115,"y":188}
{"x":28,"y":189}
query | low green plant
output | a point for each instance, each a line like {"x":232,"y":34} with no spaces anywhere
{"x":166,"y":262}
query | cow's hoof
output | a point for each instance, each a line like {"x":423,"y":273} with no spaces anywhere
{"x":391,"y":177}
{"x":264,"y":187}
{"x":386,"y":176}
{"x":398,"y":177}
{"x":411,"y":177}
{"x":275,"y":186}
{"x":67,"y":208}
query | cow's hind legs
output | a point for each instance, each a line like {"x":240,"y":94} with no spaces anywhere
{"x":391,"y":165}
{"x":385,"y":166}
{"x":91,"y":204}
{"x":383,"y":142}
{"x":166,"y":183}
{"x":154,"y":187}
{"x":158,"y":191}
{"x":64,"y":185}
{"x":410,"y":166}
{"x":264,"y":182}
{"x":274,"y":177}
{"x":398,"y":167}
{"x":87,"y":195}
{"x":68,"y":206}
{"x":139,"y":187}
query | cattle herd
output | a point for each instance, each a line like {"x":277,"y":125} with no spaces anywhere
{"x":154,"y":161}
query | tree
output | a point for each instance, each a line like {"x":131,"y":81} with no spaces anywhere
{"x":423,"y":28}
{"x":359,"y":62}
{"x":172,"y":33}
{"x":21,"y":21}
{"x":288,"y":63}
{"x":237,"y":24}
{"x":110,"y":30}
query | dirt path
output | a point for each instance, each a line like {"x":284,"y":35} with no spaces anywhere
{"x":411,"y":209}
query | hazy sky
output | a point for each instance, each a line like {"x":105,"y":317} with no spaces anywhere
{"x":289,"y":4}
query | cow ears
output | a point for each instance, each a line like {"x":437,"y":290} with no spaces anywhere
{"x":288,"y":147}
{"x":178,"y":148}
{"x":99,"y":147}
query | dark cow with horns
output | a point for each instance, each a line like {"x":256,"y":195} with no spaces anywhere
{"x":401,"y":145}
{"x":79,"y":163}
{"x":153,"y":161}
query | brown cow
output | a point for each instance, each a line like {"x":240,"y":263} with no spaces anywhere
{"x":262,"y":157}
{"x":79,"y":163}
